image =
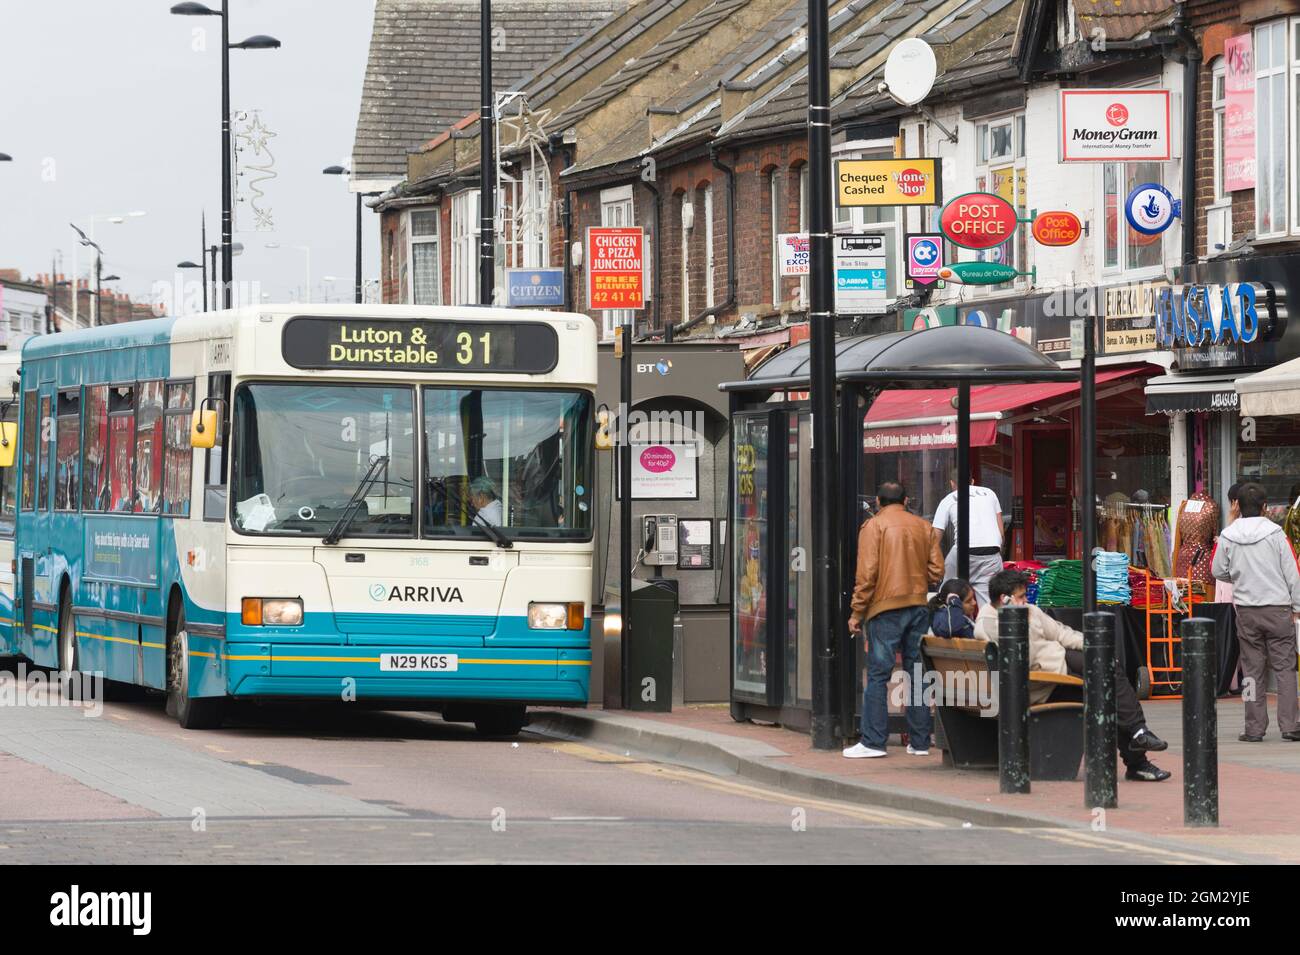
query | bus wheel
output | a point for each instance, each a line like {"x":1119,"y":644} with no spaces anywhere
{"x":500,"y":721}
{"x":205,"y":713}
{"x":69,"y":662}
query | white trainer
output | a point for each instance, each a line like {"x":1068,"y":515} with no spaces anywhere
{"x":916,"y":752}
{"x":862,"y":751}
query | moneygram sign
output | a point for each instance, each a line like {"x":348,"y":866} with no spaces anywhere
{"x":887,"y":182}
{"x":1114,"y":125}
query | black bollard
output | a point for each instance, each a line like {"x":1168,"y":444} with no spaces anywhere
{"x":1099,"y":711}
{"x":1200,"y":724}
{"x":1013,"y":700}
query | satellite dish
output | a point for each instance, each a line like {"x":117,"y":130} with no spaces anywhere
{"x":909,"y":71}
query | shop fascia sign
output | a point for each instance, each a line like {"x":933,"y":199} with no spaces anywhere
{"x":1189,"y":316}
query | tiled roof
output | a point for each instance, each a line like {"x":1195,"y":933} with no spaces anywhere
{"x":422,"y":74}
{"x":1122,"y":19}
{"x":974,"y":48}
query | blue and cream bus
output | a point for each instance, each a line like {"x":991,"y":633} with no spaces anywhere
{"x":378,"y":503}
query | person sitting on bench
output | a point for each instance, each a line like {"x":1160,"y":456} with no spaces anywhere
{"x":1056,"y":648}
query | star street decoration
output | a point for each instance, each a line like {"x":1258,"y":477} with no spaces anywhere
{"x":254,"y":165}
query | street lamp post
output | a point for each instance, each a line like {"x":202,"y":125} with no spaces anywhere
{"x":341,"y":171}
{"x":91,"y":220}
{"x":259,"y":42}
{"x":487,"y":166}
{"x":821,"y":320}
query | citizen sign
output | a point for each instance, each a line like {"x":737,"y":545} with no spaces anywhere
{"x":1197,"y":315}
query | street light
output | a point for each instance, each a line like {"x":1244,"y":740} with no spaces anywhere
{"x":187,"y":264}
{"x":341,"y":171}
{"x":116,"y":219}
{"x":258,"y":42}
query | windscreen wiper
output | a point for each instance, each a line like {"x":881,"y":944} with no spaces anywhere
{"x":489,"y":528}
{"x":349,"y":514}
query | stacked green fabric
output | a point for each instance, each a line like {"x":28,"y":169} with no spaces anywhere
{"x":1061,"y":584}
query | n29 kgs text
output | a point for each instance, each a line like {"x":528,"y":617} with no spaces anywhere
{"x":420,"y":662}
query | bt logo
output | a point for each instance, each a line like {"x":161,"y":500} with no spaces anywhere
{"x":663,"y":366}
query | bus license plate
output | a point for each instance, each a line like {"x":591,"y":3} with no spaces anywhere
{"x":419,"y":662}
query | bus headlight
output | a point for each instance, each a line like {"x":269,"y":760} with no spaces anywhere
{"x":556,"y":616}
{"x":271,"y":612}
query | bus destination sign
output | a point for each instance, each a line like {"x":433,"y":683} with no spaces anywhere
{"x":528,"y":348}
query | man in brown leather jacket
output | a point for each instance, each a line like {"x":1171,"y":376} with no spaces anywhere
{"x":898,"y":563}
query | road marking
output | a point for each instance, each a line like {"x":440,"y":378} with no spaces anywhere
{"x":720,"y":784}
{"x":588,"y":819}
{"x":1095,"y":840}
{"x":215,"y":748}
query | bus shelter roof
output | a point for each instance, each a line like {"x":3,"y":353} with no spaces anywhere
{"x":926,"y":358}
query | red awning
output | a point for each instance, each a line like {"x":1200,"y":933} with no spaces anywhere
{"x":887,"y":419}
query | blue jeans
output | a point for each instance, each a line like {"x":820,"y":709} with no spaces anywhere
{"x":887,"y":633}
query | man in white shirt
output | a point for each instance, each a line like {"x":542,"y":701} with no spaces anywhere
{"x":985,"y":535}
{"x":486,"y":503}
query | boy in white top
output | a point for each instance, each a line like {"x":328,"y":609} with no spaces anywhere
{"x":986,"y":532}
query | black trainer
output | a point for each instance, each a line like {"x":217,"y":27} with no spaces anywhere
{"x":1145,"y":741}
{"x":1292,"y":737}
{"x":1147,"y":773}
{"x":1247,"y":738}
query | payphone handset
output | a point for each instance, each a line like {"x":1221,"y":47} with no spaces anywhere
{"x":659,"y":539}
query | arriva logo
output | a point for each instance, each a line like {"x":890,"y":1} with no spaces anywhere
{"x":415,"y":594}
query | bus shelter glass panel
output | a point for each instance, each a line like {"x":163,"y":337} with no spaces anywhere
{"x":798,"y":622}
{"x":751,"y":567}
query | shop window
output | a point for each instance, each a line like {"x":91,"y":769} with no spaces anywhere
{"x":94,"y":454}
{"x":1000,"y":146}
{"x":1218,"y":216}
{"x":426,"y":265}
{"x":67,"y":455}
{"x":1126,"y":249}
{"x":43,"y":465}
{"x":31,"y":430}
{"x":1274,"y":61}
{"x":178,"y":468}
{"x":121,"y":447}
{"x":616,"y":210}
{"x":685,"y":212}
{"x":1268,"y":453}
{"x":706,"y":211}
{"x":464,"y":247}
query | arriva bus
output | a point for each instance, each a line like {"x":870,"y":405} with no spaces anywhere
{"x":387,"y":504}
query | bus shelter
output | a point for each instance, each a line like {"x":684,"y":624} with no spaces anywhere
{"x":772,"y":642}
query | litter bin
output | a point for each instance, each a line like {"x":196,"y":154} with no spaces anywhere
{"x":648,"y":660}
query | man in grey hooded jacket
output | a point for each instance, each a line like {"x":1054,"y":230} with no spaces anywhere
{"x":1256,"y":558}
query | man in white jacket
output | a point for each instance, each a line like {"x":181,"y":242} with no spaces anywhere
{"x":1056,"y":648}
{"x":1256,"y":558}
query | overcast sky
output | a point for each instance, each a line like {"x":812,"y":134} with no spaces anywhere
{"x":107,"y":107}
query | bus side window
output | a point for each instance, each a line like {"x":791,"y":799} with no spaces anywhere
{"x":67,"y":452}
{"x":121,"y":448}
{"x":43,"y":466}
{"x":180,"y":456}
{"x":31,"y":432}
{"x":214,"y":465}
{"x":94,"y":454}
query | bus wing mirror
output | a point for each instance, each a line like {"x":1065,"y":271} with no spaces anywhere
{"x":203,"y":429}
{"x":8,"y":443}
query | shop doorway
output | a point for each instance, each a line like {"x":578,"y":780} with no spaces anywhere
{"x":1049,"y":496}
